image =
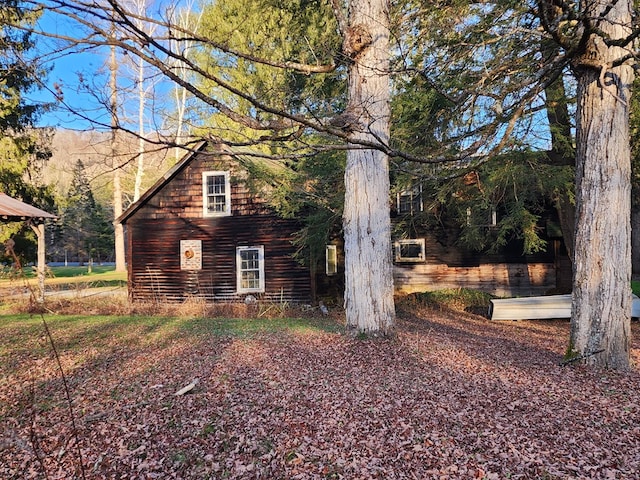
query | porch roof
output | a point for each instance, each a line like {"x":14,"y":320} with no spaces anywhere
{"x":13,"y":210}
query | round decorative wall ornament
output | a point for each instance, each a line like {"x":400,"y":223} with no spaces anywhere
{"x":190,"y":255}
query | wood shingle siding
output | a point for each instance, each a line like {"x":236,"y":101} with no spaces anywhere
{"x":155,"y":272}
{"x":508,"y":273}
{"x":172,"y":211}
{"x":502,"y":279}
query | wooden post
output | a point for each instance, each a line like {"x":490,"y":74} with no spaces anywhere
{"x":41,"y":266}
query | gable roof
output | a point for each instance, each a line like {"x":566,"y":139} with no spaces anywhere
{"x":216,"y":149}
{"x":14,"y":210}
{"x":162,"y":181}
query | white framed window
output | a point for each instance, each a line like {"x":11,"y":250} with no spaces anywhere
{"x":216,"y":194}
{"x":331,"y":260}
{"x":250,"y":269}
{"x":491,"y":215}
{"x":410,"y":201}
{"x":410,"y":250}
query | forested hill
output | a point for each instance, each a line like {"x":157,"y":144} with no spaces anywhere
{"x":94,"y":150}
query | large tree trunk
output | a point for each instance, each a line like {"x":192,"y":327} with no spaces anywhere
{"x":601,"y":307}
{"x":117,"y":172}
{"x":634,"y":131}
{"x":367,"y":225}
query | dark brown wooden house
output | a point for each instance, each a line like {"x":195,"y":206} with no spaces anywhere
{"x":203,"y":231}
{"x":424,"y":264}
{"x":430,"y":260}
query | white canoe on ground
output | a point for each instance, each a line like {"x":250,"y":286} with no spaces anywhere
{"x":533,"y":308}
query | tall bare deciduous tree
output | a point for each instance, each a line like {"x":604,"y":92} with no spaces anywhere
{"x":144,"y":87}
{"x":188,"y":18}
{"x":117,"y":170}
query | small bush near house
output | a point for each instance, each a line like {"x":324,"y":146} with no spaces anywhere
{"x":457,"y":299}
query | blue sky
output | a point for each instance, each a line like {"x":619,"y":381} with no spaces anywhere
{"x":80,"y":75}
{"x":64,"y":76}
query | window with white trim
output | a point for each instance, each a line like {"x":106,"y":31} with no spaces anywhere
{"x":491,"y":216}
{"x":216,"y":194}
{"x":410,"y":250}
{"x":250,"y":269}
{"x":410,"y":201}
{"x":331,"y":257}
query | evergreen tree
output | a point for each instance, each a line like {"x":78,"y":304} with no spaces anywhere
{"x":455,"y":100}
{"x":23,"y":148}
{"x":86,"y":233}
{"x":309,"y":186}
{"x":496,"y":62}
{"x":275,"y":32}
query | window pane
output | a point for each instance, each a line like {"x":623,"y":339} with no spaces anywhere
{"x":405,"y":203}
{"x":250,"y":279}
{"x":331,"y":267}
{"x":410,"y":250}
{"x":250,"y":259}
{"x":216,"y":199}
{"x":216,"y":185}
{"x":217,"y":203}
{"x":216,"y":193}
{"x":250,"y":269}
{"x":410,"y":201}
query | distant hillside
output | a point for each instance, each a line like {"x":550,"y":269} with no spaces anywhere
{"x":94,"y":149}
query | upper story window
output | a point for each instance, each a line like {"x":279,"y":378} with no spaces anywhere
{"x":482,"y":217}
{"x":410,"y":201}
{"x":216,"y":194}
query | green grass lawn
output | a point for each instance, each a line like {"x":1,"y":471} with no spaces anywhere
{"x":23,"y":334}
{"x":100,"y":276}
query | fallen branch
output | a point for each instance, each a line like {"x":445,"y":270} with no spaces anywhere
{"x":580,"y":357}
{"x":187,"y":389}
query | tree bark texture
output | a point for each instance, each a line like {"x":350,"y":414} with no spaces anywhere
{"x":601,"y":305}
{"x":117,"y":172}
{"x":368,"y":297}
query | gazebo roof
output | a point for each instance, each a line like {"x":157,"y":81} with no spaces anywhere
{"x":13,"y":210}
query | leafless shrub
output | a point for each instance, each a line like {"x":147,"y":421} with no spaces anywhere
{"x":118,"y":303}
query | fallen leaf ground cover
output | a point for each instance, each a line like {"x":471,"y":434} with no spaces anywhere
{"x":451,"y":396}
